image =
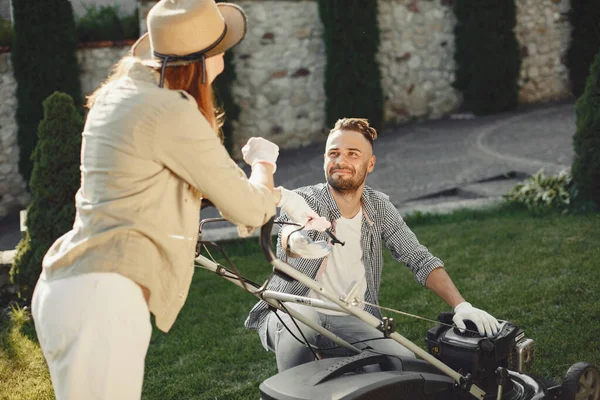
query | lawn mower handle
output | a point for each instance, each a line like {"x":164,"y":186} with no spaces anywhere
{"x":265,"y":240}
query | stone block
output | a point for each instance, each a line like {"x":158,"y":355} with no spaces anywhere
{"x":6,"y":259}
{"x":303,"y":33}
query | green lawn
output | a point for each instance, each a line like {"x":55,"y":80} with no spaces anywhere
{"x":540,"y":273}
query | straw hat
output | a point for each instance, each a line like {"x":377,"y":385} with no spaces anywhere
{"x":184,"y":31}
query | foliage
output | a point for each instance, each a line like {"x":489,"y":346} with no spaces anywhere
{"x":352,"y":76}
{"x":44,"y":61}
{"x":224,"y":95}
{"x":131,"y":25}
{"x":586,"y":141}
{"x":487,"y":56}
{"x":105,"y":23}
{"x":531,"y":271}
{"x":6,"y":33}
{"x":54,"y":182}
{"x":540,"y":193}
{"x":23,"y":370}
{"x":584,"y":16}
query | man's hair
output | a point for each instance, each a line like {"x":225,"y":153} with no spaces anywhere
{"x":360,"y":125}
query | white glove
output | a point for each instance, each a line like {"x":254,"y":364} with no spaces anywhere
{"x":260,"y":150}
{"x":486,"y":324}
{"x":304,"y":246}
{"x":300,"y":212}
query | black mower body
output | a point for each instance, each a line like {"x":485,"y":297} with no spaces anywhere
{"x":485,"y":362}
{"x":374,"y":376}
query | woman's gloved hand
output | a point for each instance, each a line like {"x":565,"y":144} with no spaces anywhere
{"x":259,"y":150}
{"x":300,"y":212}
{"x":486,"y":324}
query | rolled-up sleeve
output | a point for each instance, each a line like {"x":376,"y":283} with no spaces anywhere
{"x":405,"y":246}
{"x":186,"y":144}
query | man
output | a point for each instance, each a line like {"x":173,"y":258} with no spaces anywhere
{"x":363,"y":219}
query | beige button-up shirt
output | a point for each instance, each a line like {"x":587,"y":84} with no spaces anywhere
{"x":142,"y":148}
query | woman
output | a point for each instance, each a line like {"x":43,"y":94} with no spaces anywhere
{"x":150,"y":153}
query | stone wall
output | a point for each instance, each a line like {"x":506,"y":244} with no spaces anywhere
{"x":416,"y":59}
{"x":544,"y":31}
{"x":280,"y":68}
{"x":12,"y":185}
{"x":95,"y":65}
{"x":281,"y":64}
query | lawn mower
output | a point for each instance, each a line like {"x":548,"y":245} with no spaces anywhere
{"x":456,"y":365}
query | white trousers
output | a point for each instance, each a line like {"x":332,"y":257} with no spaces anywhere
{"x":94,"y":330}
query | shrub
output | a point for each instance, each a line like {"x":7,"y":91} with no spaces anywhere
{"x":6,"y":33}
{"x":100,"y":23}
{"x":131,"y":25}
{"x":352,"y":76}
{"x":226,"y":101}
{"x":44,"y":61}
{"x":540,"y":193}
{"x":105,"y":23}
{"x":585,"y":42}
{"x":586,"y":141}
{"x":225,"y":98}
{"x":487,"y":55}
{"x":54,"y":182}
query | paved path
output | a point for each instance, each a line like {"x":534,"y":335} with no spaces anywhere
{"x":422,"y":159}
{"x":436,"y":165}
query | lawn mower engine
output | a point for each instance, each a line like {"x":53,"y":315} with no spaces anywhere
{"x":470,"y":353}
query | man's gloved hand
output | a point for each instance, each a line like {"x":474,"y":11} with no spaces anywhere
{"x":260,"y":150}
{"x":302,"y":245}
{"x":486,"y":324}
{"x":299,"y":211}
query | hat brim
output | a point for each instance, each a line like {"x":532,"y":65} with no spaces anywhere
{"x":235,"y":20}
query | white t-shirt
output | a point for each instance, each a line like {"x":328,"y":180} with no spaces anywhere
{"x":344,"y":267}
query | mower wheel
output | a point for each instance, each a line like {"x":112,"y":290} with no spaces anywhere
{"x":582,"y":382}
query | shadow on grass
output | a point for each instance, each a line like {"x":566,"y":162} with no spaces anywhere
{"x":499,"y":211}
{"x":15,"y":321}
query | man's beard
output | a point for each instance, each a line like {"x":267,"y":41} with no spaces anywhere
{"x":349,"y":185}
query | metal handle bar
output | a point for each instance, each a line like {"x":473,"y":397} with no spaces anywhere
{"x":267,"y":249}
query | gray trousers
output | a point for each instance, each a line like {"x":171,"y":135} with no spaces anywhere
{"x":290,"y":353}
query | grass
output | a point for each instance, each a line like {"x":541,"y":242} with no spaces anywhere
{"x":539,"y":272}
{"x":23,"y":372}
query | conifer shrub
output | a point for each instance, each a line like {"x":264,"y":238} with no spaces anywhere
{"x":225,"y":100}
{"x":586,"y":141}
{"x":105,"y":22}
{"x":487,"y":56}
{"x":584,"y":17}
{"x":44,"y":61}
{"x":223,"y":93}
{"x":6,"y":33}
{"x":352,"y":75}
{"x":54,"y":181}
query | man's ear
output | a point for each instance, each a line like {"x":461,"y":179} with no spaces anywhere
{"x":371,"y":164}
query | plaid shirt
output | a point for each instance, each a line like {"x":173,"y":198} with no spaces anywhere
{"x":381,"y":222}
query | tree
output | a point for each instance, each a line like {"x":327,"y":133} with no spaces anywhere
{"x":44,"y":61}
{"x":585,"y":42}
{"x":54,"y":181}
{"x":352,"y":76}
{"x":586,"y":141}
{"x":487,"y":55}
